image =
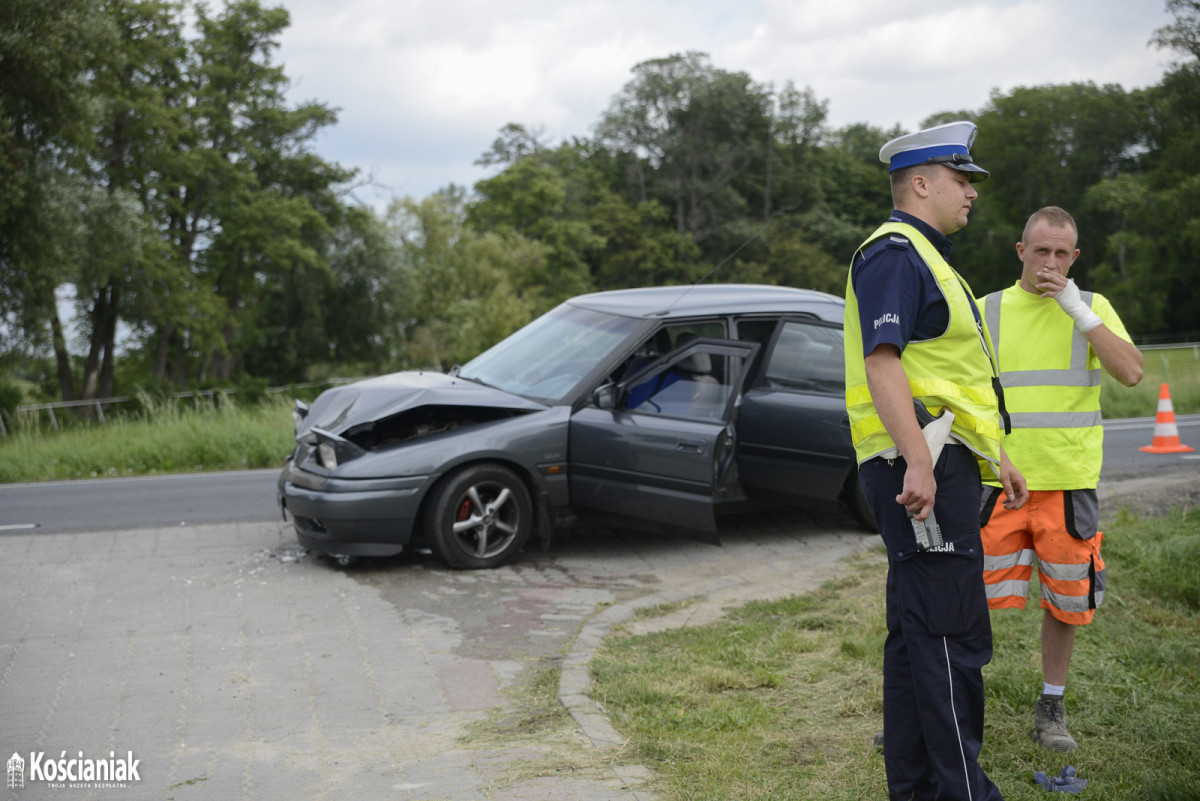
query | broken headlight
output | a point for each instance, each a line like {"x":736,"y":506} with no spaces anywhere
{"x":333,"y":450}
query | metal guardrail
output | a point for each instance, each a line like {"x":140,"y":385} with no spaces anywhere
{"x":99,"y":403}
{"x":1157,"y":342}
{"x":1195,"y":348}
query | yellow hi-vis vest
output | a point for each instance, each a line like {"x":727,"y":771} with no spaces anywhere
{"x":954,"y":370}
{"x":1051,"y":381}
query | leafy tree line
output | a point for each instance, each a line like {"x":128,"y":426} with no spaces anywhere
{"x":154,"y":165}
{"x":151,"y":162}
{"x":698,"y":173}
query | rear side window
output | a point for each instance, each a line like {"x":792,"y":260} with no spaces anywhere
{"x":808,"y":357}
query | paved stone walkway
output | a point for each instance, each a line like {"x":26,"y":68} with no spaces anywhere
{"x":233,"y":666}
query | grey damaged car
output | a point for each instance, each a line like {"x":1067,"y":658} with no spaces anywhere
{"x":659,"y":408}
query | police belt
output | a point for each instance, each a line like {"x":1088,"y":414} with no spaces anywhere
{"x":892,"y":454}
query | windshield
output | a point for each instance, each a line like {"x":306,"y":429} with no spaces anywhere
{"x":549,"y":357}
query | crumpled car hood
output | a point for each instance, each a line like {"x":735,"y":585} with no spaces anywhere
{"x":342,"y":409}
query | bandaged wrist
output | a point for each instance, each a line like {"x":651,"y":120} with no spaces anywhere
{"x":1080,"y":312}
{"x":1086,"y":320}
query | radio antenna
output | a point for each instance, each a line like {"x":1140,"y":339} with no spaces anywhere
{"x":725,"y":260}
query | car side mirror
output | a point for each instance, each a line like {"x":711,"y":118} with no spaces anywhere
{"x":605,"y":397}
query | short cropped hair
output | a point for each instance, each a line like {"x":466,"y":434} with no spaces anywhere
{"x":1053,"y":216}
{"x":901,"y":181}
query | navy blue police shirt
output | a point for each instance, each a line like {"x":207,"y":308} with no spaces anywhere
{"x":899,"y":300}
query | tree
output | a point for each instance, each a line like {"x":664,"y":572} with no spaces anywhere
{"x":167,"y":180}
{"x":364,"y":310}
{"x":699,"y":136}
{"x":849,"y":195}
{"x":138,"y":84}
{"x":1183,"y":34}
{"x":347,"y":317}
{"x":793,"y":152}
{"x":545,"y":195}
{"x":514,"y":143}
{"x":46,"y":114}
{"x":258,"y":193}
{"x":641,"y":247}
{"x":460,"y":283}
{"x":45,"y":110}
{"x":1154,"y":212}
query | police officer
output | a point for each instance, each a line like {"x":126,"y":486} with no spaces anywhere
{"x":914,"y":333}
{"x":1051,"y":341}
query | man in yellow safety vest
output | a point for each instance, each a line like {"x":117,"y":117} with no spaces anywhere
{"x":1051,"y":340}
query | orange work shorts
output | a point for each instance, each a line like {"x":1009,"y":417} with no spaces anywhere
{"x":1055,"y":528}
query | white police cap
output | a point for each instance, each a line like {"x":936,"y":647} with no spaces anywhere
{"x":948,"y":144}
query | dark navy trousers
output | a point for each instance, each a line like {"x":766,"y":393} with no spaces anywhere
{"x":939,"y":636}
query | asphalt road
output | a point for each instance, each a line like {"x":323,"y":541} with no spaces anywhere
{"x":248,"y":496}
{"x":112,"y":504}
{"x":1123,"y":438}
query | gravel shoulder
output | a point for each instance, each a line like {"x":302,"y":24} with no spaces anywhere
{"x":1151,"y":496}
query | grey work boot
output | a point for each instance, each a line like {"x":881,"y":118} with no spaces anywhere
{"x":1050,"y":724}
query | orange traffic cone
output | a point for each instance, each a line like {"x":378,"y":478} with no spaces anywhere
{"x":1166,"y":433}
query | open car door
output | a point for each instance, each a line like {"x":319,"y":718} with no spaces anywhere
{"x":795,"y":434}
{"x":658,"y":445}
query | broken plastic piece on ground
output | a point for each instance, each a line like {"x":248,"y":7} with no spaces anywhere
{"x":1065,"y":782}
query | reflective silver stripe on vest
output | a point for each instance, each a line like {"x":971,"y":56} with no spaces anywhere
{"x":1076,"y":376}
{"x":1051,"y":378}
{"x":1055,"y":419}
{"x":1022,"y":558}
{"x":991,"y":316}
{"x":1006,"y":589}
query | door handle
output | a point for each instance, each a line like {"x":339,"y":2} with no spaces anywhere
{"x":691,"y":446}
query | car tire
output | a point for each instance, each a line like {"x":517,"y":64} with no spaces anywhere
{"x":479,"y":517}
{"x":856,"y":503}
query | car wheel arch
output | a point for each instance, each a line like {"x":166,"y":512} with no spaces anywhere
{"x":539,"y":498}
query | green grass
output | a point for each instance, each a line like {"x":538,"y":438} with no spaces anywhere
{"x":169,"y":438}
{"x":1178,"y":368}
{"x":780,"y":700}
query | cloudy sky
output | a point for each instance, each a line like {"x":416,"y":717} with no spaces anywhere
{"x":423,"y":86}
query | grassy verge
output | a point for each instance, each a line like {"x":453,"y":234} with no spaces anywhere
{"x":780,"y":700}
{"x":1178,"y":368}
{"x":169,"y":439}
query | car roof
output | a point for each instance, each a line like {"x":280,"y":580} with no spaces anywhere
{"x":703,"y":299}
